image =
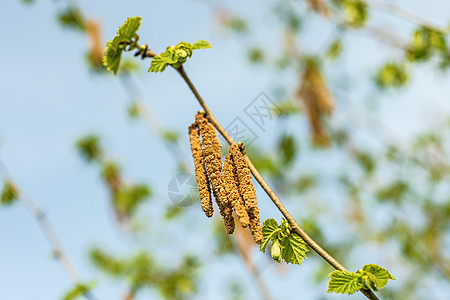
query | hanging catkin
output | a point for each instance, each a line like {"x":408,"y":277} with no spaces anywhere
{"x":317,"y":101}
{"x":200,"y":171}
{"x":213,"y":163}
{"x":247,"y":192}
{"x":234,"y":196}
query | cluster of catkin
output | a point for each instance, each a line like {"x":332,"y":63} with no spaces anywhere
{"x":230,"y":183}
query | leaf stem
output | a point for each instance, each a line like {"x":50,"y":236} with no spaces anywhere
{"x":295,"y":226}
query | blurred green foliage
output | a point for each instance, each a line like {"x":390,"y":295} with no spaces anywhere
{"x":141,"y":271}
{"x":72,"y":18}
{"x":426,"y":42}
{"x":334,"y":50}
{"x":395,"y":191}
{"x":9,"y":193}
{"x":170,"y":136}
{"x":287,"y":148}
{"x":89,"y":147}
{"x":392,"y":75}
{"x":235,"y":23}
{"x":356,"y":12}
{"x":125,"y":197}
{"x":256,"y":55}
{"x":78,"y":291}
{"x":133,"y":110}
{"x":129,"y":197}
{"x":366,"y":161}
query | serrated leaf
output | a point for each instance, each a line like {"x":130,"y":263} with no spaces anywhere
{"x":158,"y":64}
{"x":344,"y":282}
{"x":334,"y":49}
{"x":294,"y":249}
{"x":113,"y":50}
{"x":270,"y":229}
{"x":201,"y":44}
{"x":186,"y":47}
{"x":169,"y":56}
{"x":129,"y":28}
{"x":381,"y":275}
{"x":176,"y":55}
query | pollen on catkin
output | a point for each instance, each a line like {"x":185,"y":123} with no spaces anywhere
{"x":213,"y":163}
{"x":234,"y":196}
{"x":247,"y":192}
{"x":228,"y":220}
{"x":200,"y":171}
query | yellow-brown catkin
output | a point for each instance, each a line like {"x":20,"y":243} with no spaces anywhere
{"x":317,"y":100}
{"x":233,"y":192}
{"x":213,"y":163}
{"x":200,"y":171}
{"x":319,"y":6}
{"x":228,"y":220}
{"x":247,"y":191}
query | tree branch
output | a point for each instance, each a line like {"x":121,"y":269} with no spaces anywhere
{"x":404,"y":13}
{"x":295,"y":226}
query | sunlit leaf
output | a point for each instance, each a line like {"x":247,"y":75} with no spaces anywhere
{"x":344,"y":282}
{"x":126,"y":36}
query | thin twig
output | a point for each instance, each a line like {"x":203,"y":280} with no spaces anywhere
{"x":47,"y":229}
{"x":295,"y":226}
{"x":371,"y":31}
{"x":404,"y":13}
{"x":383,"y":35}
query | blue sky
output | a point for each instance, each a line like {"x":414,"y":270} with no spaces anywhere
{"x":49,"y":99}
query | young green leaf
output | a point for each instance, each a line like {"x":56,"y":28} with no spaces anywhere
{"x":344,"y":282}
{"x":270,"y":229}
{"x":380,"y":274}
{"x":201,"y":44}
{"x":158,"y":64}
{"x":176,"y":55}
{"x":126,"y":35}
{"x":371,"y":277}
{"x":169,"y":56}
{"x":286,"y":245}
{"x":294,"y":249}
